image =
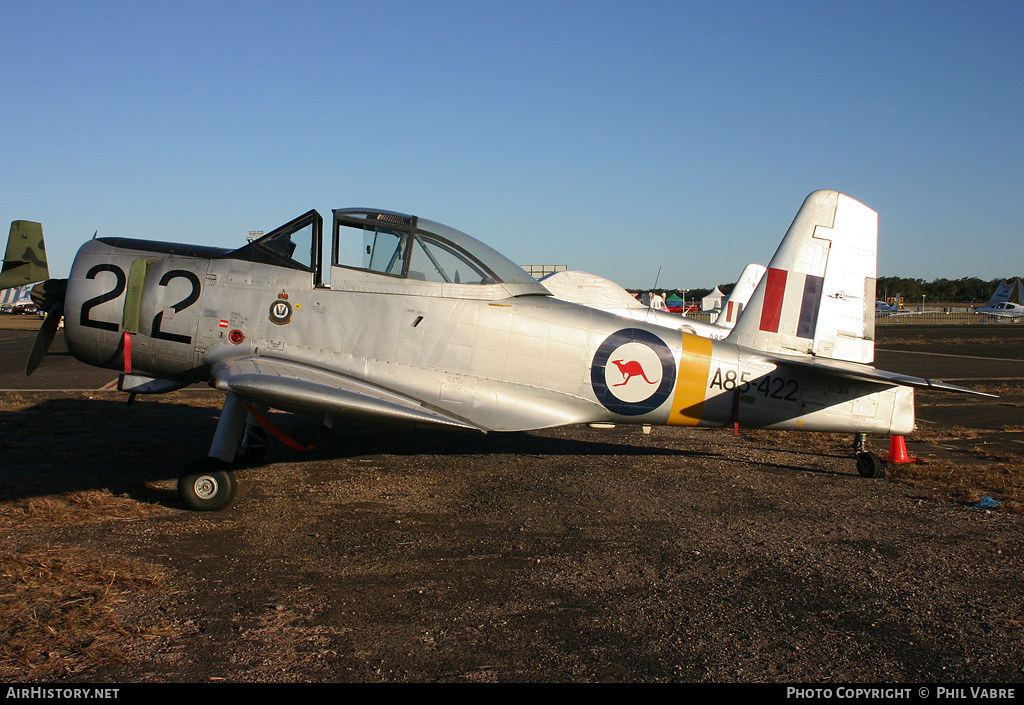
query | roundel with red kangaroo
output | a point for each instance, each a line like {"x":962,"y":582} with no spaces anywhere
{"x":633,"y":372}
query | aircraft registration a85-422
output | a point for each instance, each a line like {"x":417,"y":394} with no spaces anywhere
{"x":423,"y":326}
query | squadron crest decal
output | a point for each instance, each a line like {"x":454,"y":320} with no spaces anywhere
{"x":281,"y":310}
{"x":633,"y":372}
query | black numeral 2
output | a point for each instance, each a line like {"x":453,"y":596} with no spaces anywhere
{"x":103,"y":298}
{"x":192,"y":297}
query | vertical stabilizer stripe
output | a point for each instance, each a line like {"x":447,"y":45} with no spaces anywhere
{"x":774,"y":294}
{"x":809,"y":304}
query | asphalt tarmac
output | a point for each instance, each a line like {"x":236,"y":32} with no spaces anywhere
{"x":58,"y":371}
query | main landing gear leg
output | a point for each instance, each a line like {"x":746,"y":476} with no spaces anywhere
{"x":208,"y":484}
{"x":256,"y":440}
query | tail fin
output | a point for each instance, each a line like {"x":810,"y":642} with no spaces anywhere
{"x":1007,"y":292}
{"x":739,"y":296}
{"x":25,"y":261}
{"x":818,"y":295}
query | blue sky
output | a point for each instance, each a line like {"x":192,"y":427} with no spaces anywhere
{"x":614,"y":137}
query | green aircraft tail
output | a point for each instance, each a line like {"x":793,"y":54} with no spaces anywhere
{"x":25,"y":261}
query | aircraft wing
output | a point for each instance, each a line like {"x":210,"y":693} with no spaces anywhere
{"x":300,"y":388}
{"x":866,"y":373}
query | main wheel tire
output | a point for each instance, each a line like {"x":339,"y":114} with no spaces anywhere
{"x":869,"y":465}
{"x":207,"y":486}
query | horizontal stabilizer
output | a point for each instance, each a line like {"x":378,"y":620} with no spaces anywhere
{"x":590,"y":290}
{"x":603,"y":294}
{"x":866,"y":373}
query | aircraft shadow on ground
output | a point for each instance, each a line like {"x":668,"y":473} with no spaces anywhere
{"x":74,"y":445}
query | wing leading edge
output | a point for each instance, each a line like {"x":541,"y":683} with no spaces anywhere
{"x":300,"y":388}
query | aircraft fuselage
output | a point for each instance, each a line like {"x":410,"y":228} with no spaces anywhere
{"x":502,"y":362}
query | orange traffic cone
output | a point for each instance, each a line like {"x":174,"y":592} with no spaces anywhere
{"x":898,"y":451}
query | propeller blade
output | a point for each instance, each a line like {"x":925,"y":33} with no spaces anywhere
{"x":44,"y":337}
{"x":47,"y":293}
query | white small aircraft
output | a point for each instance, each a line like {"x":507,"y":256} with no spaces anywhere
{"x":884,"y":309}
{"x":1006,"y":302}
{"x":603,"y":294}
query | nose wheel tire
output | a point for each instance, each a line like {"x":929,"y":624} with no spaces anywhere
{"x":206,"y":486}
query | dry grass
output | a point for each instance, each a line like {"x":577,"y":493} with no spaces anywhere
{"x":907,"y":337}
{"x":74,"y":508}
{"x":953,"y":433}
{"x":967,"y":483}
{"x":997,"y":386}
{"x":984,"y":473}
{"x":64,"y":609}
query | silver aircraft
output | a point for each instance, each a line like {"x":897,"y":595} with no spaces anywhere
{"x":422,"y":326}
{"x":597,"y":292}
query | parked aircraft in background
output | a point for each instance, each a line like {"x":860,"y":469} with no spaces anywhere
{"x":886,"y":310}
{"x":427,"y":327}
{"x":15,"y":296}
{"x":883,"y":307}
{"x":737,"y":299}
{"x":25,"y":260}
{"x":1006,"y":301}
{"x":603,"y":294}
{"x":24,"y":264}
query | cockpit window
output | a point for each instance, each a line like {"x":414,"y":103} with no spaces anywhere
{"x":434,"y":261}
{"x":295,"y":245}
{"x":385,"y":251}
{"x":421,"y":250}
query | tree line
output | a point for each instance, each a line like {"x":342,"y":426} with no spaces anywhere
{"x":965,"y":290}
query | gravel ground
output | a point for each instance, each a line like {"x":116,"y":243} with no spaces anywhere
{"x":565,"y":555}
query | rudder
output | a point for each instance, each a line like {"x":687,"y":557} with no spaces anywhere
{"x":25,"y":261}
{"x":818,"y":295}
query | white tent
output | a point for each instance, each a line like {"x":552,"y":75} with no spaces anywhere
{"x":713,"y":301}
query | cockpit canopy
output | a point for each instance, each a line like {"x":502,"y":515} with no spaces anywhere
{"x":398,"y":246}
{"x":415,"y":248}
